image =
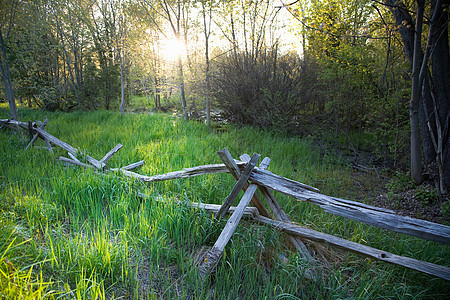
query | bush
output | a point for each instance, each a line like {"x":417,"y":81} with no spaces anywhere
{"x":262,"y":91}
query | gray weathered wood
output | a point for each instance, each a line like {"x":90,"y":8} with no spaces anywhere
{"x":97,"y":164}
{"x":35,"y":137}
{"x":414,"y":264}
{"x":233,"y":221}
{"x":49,"y":147}
{"x":216,"y":251}
{"x":45,"y":135}
{"x":209,"y":262}
{"x":73,"y":157}
{"x":108,"y":155}
{"x":238,"y":186}
{"x":228,"y":160}
{"x":279,"y":213}
{"x":244,"y":157}
{"x":185,"y":173}
{"x":75,"y":162}
{"x":12,"y":123}
{"x":375,"y":216}
{"x":133,"y":165}
{"x":249,"y":212}
{"x":293,"y":229}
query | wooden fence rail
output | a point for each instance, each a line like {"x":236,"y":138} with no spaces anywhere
{"x":375,"y":216}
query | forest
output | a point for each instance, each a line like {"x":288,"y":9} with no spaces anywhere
{"x":362,"y":84}
{"x":344,"y":69}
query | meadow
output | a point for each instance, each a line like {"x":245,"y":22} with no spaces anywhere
{"x":71,"y":233}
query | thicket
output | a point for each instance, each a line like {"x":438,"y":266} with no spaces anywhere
{"x":264,"y":92}
{"x":344,"y":98}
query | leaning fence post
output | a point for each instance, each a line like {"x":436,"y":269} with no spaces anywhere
{"x":230,"y":163}
{"x":213,"y":255}
{"x":238,"y":187}
{"x":279,"y":212}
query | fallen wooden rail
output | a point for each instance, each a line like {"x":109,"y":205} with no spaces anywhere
{"x":410,"y":263}
{"x":294,"y":229}
{"x":37,"y":130}
{"x":375,"y":216}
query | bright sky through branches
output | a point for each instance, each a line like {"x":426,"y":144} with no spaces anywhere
{"x":171,"y":48}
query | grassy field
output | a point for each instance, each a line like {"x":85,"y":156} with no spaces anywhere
{"x":70,"y":233}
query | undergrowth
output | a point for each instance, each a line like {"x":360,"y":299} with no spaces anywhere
{"x":71,"y":233}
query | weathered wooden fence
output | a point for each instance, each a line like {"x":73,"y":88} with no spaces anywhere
{"x":249,"y":178}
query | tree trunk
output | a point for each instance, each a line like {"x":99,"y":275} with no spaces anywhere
{"x":181,"y":78}
{"x":208,"y":109}
{"x":6,"y":76}
{"x":440,"y":64}
{"x":207,"y":32}
{"x":122,"y":83}
{"x":435,"y":85}
{"x":416,"y":160}
{"x":425,"y":112}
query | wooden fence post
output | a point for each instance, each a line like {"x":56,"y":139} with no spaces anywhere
{"x":279,"y":213}
{"x":230,"y":163}
{"x":238,"y":186}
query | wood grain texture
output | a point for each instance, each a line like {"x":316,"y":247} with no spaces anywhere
{"x":228,"y":160}
{"x":74,"y":162}
{"x":35,"y":137}
{"x":45,"y":135}
{"x":375,"y":216}
{"x":110,"y":154}
{"x":279,"y":213}
{"x":134,"y":165}
{"x":414,"y":264}
{"x":327,"y":239}
{"x":238,"y":186}
{"x":47,"y":142}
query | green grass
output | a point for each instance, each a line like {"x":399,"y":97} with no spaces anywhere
{"x":71,"y":233}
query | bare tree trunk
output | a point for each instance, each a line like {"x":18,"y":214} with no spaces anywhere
{"x":207,"y":88}
{"x":435,"y":86}
{"x":416,"y":159}
{"x":440,"y":63}
{"x":157,"y":96}
{"x":174,"y":15}
{"x":181,"y":78}
{"x":6,"y":76}
{"x":207,"y":32}
{"x":122,"y":84}
{"x":117,"y":25}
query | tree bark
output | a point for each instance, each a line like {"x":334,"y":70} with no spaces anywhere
{"x":122,"y":82}
{"x":416,"y":159}
{"x":440,"y":63}
{"x":181,"y":78}
{"x":435,"y":86}
{"x":207,"y":32}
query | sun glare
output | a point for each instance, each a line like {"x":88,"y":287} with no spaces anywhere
{"x":172,"y":48}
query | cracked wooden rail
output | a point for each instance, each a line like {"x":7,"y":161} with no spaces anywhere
{"x":251,"y":213}
{"x":37,"y":130}
{"x":375,"y":216}
{"x":213,"y":256}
